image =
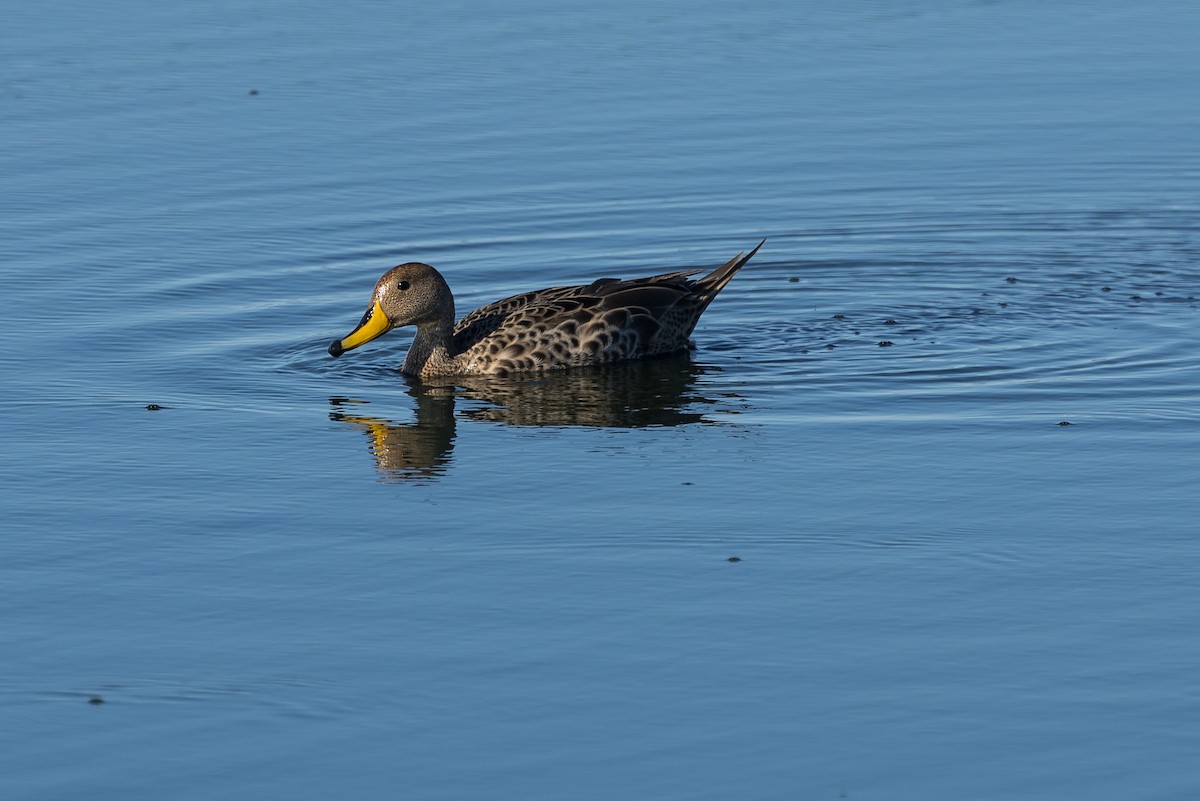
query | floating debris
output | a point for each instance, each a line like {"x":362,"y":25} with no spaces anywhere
{"x":734,"y":559}
{"x":887,"y":343}
{"x":153,"y":407}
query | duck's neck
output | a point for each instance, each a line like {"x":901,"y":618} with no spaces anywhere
{"x":431,"y":351}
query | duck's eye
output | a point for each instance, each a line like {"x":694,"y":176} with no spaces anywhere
{"x":403,"y":285}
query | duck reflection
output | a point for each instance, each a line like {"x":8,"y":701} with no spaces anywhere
{"x":416,"y":450}
{"x":655,"y":392}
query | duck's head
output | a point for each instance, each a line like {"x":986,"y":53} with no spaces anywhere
{"x":410,"y":294}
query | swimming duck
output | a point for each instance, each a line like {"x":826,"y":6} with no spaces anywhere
{"x":607,"y":320}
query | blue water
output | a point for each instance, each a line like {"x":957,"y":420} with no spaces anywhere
{"x":295,"y":577}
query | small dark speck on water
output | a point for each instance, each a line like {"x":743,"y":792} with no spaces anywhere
{"x":1011,"y":280}
{"x":253,"y":91}
{"x":734,"y":559}
{"x":95,"y":700}
{"x":839,"y":317}
{"x":1065,"y":423}
{"x":1106,"y":289}
{"x":889,"y":321}
{"x":887,"y":343}
{"x":1003,"y":305}
{"x":687,"y":483}
{"x":153,"y":407}
{"x":793,"y":280}
{"x":1135,"y":297}
{"x":1158,"y":294}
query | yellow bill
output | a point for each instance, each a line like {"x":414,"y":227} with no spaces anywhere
{"x":373,"y":324}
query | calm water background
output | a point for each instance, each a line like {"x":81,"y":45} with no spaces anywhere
{"x":303,"y":578}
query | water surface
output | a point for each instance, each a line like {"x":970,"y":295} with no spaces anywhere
{"x":916,"y":519}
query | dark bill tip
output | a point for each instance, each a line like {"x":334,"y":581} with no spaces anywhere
{"x":335,"y":348}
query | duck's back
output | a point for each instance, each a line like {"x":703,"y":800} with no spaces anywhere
{"x":606,"y":321}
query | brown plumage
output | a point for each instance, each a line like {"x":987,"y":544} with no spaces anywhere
{"x":607,"y":320}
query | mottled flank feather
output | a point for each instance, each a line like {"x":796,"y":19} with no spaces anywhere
{"x":606,"y":321}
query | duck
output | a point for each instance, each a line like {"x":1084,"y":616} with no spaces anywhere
{"x":608,"y":320}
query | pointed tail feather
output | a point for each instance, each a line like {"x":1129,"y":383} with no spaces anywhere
{"x":705,"y":289}
{"x":715,"y":281}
